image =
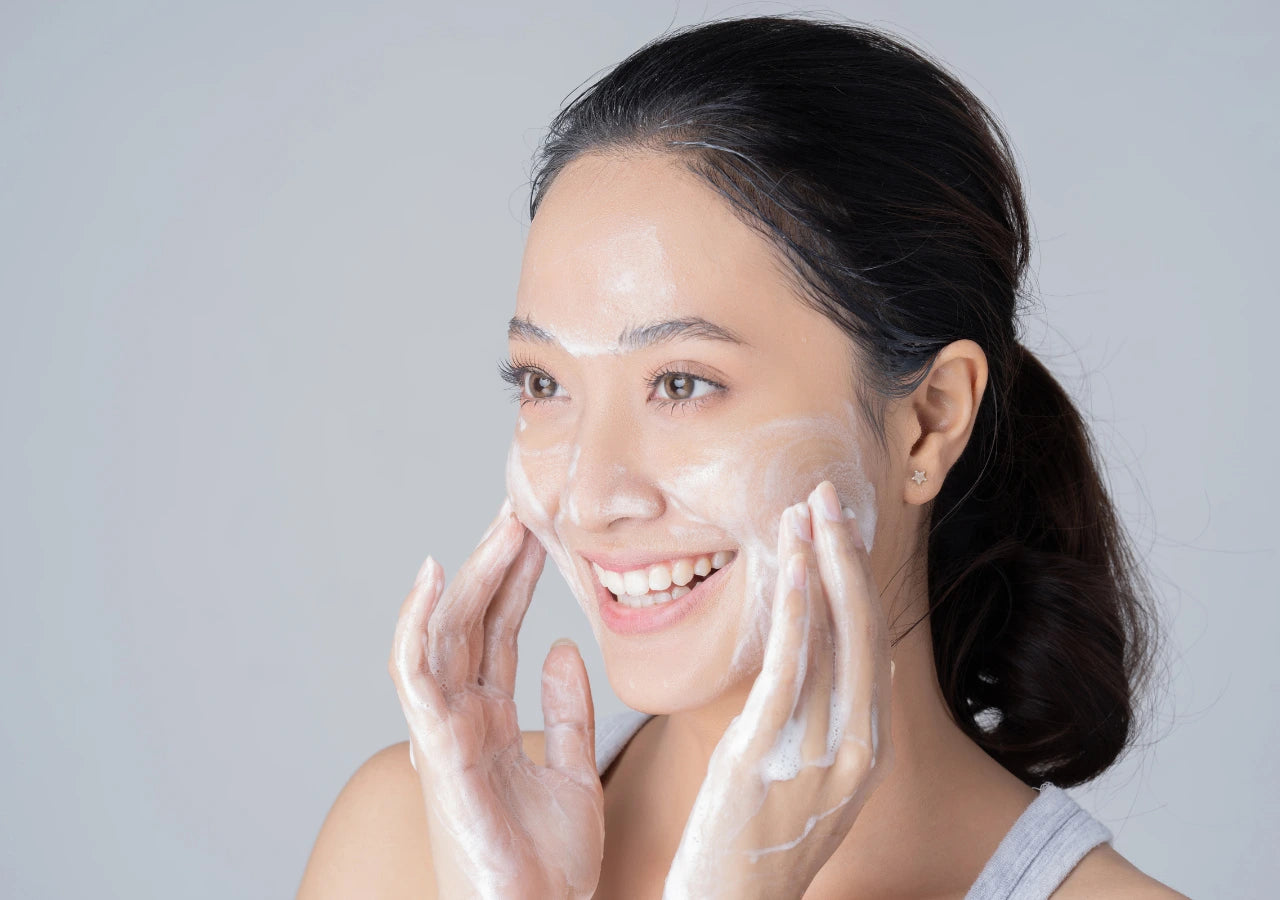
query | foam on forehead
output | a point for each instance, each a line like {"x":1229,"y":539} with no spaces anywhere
{"x":585,"y":348}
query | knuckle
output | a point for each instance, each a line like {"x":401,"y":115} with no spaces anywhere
{"x":854,"y":760}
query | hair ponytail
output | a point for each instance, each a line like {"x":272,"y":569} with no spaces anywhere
{"x":892,"y":192}
{"x":1040,"y":634}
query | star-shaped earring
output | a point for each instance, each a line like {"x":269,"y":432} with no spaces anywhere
{"x":919,"y":478}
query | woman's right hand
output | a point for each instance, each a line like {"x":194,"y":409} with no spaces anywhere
{"x":500,"y":826}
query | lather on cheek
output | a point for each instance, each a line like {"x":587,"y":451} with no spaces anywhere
{"x":528,"y":471}
{"x":731,"y":495}
{"x":740,"y":489}
{"x":535,"y":479}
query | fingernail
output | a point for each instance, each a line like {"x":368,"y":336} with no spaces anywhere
{"x":801,"y":524}
{"x":560,"y":642}
{"x":828,"y":502}
{"x":797,"y":571}
{"x":503,"y":514}
{"x":423,"y":572}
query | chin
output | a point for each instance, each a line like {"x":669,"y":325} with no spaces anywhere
{"x":662,"y":686}
{"x":706,"y":655}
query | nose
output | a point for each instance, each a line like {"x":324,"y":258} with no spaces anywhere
{"x":609,"y":482}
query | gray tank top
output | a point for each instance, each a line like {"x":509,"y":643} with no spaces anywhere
{"x":1037,"y":854}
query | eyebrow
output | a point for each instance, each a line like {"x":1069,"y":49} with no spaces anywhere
{"x":639,"y":337}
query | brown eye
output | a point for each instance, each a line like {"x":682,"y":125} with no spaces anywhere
{"x":678,"y":385}
{"x":539,"y":386}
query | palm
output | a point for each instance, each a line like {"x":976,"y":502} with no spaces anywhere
{"x":535,"y":821}
{"x":500,"y":825}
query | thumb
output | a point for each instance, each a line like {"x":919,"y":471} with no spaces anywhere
{"x":567,"y":712}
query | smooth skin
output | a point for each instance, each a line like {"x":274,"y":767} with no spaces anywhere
{"x":935,"y":815}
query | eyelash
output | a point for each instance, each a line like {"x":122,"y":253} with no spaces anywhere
{"x":513,"y":372}
{"x":692,"y":403}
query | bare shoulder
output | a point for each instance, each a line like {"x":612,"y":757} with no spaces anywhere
{"x":373,"y":842}
{"x":1104,"y":873}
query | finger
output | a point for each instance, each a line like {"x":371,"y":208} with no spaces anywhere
{"x":809,"y":720}
{"x":425,"y":588}
{"x":776,"y":690}
{"x":419,"y":693}
{"x":418,"y":579}
{"x":568,"y":713}
{"x":860,"y":631}
{"x":505,"y":615}
{"x":452,"y":654}
{"x":817,"y":692}
{"x":880,"y":725}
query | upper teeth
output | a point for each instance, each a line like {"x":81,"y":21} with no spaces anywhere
{"x":660,"y":581}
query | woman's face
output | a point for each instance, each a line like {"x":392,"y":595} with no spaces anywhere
{"x":676,"y":397}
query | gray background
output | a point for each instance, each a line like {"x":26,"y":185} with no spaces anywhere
{"x":255,"y":261}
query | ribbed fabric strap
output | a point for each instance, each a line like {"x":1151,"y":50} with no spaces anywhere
{"x":1040,"y":850}
{"x":612,"y":735}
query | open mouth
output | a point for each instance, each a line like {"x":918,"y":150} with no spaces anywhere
{"x":661,"y":583}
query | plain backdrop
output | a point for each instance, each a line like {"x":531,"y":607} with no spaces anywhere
{"x":256,"y":261}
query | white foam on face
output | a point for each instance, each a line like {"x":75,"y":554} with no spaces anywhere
{"x":531,"y":510}
{"x":585,"y":347}
{"x":627,"y":269}
{"x":737,"y":490}
{"x":778,"y":463}
{"x":714,"y":490}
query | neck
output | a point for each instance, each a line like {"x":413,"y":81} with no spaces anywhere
{"x":682,"y":742}
{"x":938,"y":773}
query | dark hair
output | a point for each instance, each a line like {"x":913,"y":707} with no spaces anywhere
{"x":892,"y":192}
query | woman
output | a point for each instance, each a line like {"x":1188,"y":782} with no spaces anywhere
{"x":841,"y":538}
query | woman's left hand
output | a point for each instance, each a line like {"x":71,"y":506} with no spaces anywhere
{"x":793,"y":770}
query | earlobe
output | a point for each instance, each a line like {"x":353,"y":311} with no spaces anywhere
{"x":943,"y":409}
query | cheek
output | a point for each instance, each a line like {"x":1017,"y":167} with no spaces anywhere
{"x":795,"y":466}
{"x":742,"y":491}
{"x":535,"y":478}
{"x":743,"y":488}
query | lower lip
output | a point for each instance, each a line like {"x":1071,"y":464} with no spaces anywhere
{"x":628,"y":620}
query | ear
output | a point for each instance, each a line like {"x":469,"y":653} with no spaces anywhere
{"x":939,"y":418}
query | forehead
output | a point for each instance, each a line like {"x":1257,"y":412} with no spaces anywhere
{"x":623,"y":240}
